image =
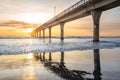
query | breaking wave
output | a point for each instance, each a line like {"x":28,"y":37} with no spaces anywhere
{"x":16,"y":46}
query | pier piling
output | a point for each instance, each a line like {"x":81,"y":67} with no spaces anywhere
{"x":96,"y":20}
{"x":62,"y":30}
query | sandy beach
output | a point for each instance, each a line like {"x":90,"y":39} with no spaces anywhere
{"x":81,"y":64}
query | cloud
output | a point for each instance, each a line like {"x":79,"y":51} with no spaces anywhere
{"x":17,"y":24}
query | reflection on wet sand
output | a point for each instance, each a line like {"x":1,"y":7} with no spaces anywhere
{"x":17,"y":67}
{"x":60,"y":69}
{"x":97,"y":68}
{"x":28,"y":72}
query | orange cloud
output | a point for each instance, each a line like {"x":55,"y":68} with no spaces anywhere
{"x":17,"y":24}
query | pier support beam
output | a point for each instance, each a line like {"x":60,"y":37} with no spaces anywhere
{"x":35,"y":34}
{"x":96,"y":19}
{"x":39,"y":34}
{"x":50,"y":34}
{"x":62,"y":30}
{"x":31,"y":34}
{"x":43,"y":34}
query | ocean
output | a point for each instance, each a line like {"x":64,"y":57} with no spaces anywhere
{"x":27,"y":45}
{"x":77,"y":58}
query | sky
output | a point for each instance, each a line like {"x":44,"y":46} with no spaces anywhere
{"x":19,"y":17}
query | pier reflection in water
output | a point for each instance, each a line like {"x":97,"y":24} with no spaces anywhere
{"x":60,"y":69}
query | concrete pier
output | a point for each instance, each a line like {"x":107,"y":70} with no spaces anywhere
{"x":39,"y":34}
{"x":43,"y":33}
{"x":50,"y":34}
{"x":96,"y":20}
{"x":80,"y":9}
{"x":62,"y":30}
{"x":35,"y":34}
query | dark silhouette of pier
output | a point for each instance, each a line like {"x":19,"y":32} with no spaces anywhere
{"x":60,"y":69}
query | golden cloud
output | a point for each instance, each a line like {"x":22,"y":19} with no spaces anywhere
{"x":17,"y":24}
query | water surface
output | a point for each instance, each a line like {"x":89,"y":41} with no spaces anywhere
{"x":101,"y":62}
{"x":73,"y":65}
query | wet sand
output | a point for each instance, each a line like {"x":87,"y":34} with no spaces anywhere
{"x":97,"y":64}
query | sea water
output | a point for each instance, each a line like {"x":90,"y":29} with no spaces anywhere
{"x":74,"y":59}
{"x":24,"y":45}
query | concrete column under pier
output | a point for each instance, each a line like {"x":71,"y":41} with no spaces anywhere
{"x":39,"y":34}
{"x":62,"y":30}
{"x":35,"y":34}
{"x":96,"y":20}
{"x":43,"y":34}
{"x":50,"y":34}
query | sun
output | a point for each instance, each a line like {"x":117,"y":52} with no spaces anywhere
{"x":30,"y":56}
{"x":29,"y":30}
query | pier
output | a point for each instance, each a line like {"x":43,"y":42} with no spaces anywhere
{"x":81,"y":9}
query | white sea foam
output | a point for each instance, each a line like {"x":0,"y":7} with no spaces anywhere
{"x":16,"y":46}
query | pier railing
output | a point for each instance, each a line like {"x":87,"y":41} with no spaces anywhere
{"x":78,"y":4}
{"x":81,"y":9}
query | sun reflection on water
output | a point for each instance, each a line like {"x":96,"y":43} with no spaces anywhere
{"x":30,"y":56}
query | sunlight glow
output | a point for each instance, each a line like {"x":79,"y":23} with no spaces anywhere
{"x":29,"y":30}
{"x":30,"y":56}
{"x":32,"y":17}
